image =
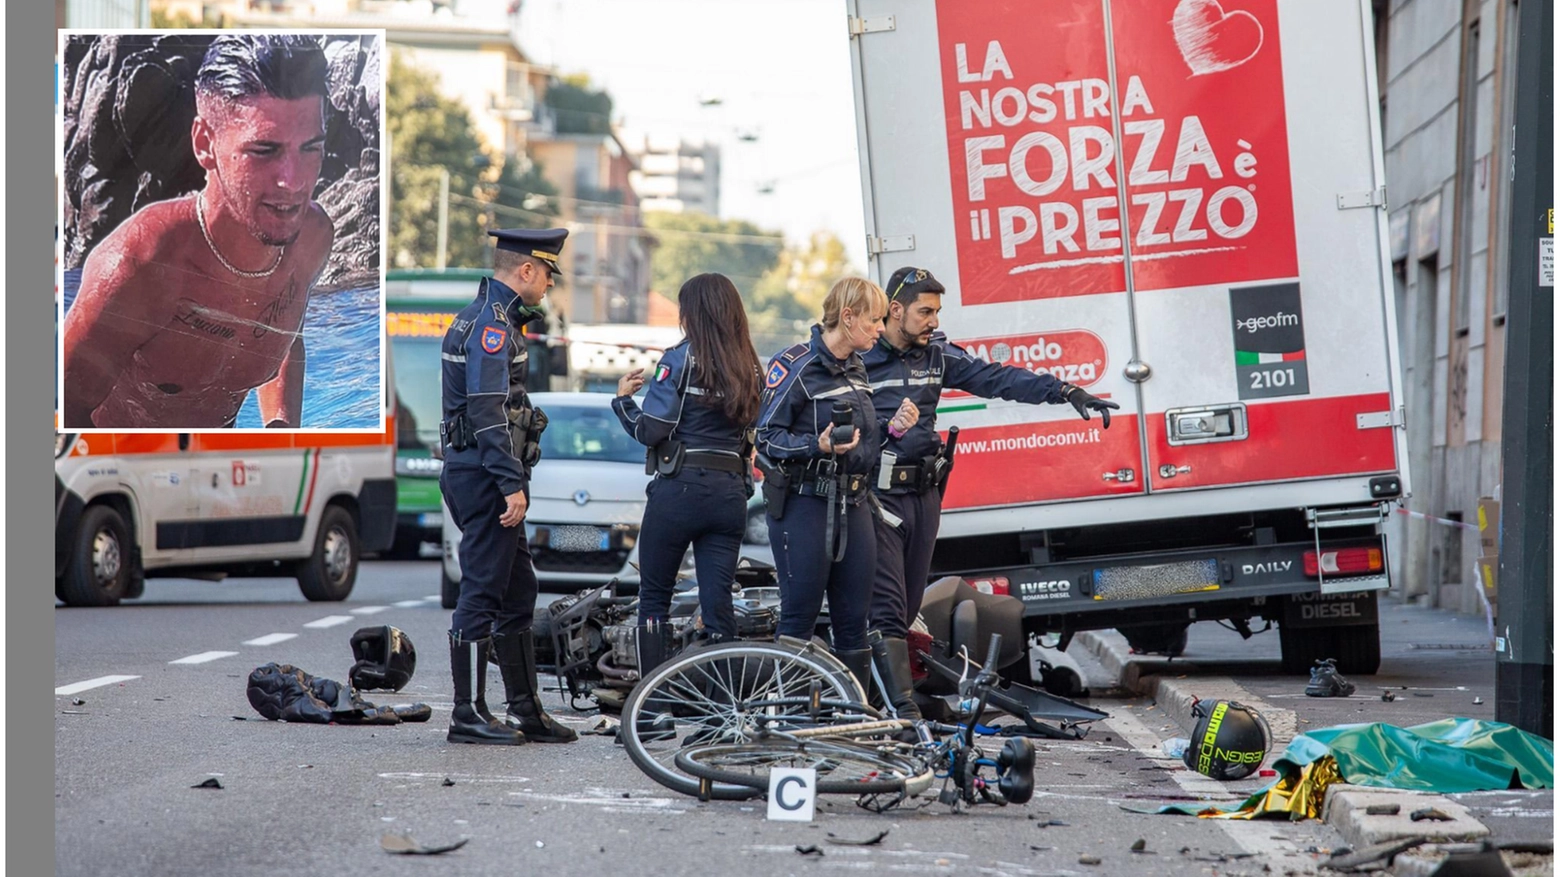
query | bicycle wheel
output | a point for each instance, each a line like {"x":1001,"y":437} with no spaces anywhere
{"x":843,"y":769}
{"x":718,"y":694}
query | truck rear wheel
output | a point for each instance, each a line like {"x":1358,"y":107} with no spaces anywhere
{"x":331,"y":571}
{"x":1157,"y":639}
{"x":1355,"y":648}
{"x":99,"y":570}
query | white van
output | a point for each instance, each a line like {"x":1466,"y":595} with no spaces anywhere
{"x":132,"y":505}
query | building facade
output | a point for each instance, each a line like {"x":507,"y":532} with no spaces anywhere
{"x":1446,"y":69}
{"x":677,"y":175}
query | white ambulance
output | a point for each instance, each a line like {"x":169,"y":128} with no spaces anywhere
{"x":1178,"y":205}
{"x":208,"y":505}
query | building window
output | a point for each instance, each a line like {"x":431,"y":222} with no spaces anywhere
{"x":1503,"y":165}
{"x":1468,"y":161}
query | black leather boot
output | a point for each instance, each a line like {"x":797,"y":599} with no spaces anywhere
{"x":517,"y":664}
{"x":467,"y":657}
{"x":860,"y":663}
{"x":891,"y":656}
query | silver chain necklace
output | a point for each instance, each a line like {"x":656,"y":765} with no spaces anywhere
{"x":200,"y":217}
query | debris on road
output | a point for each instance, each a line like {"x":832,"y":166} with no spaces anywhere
{"x":208,"y":783}
{"x":809,"y":850}
{"x":1368,"y":858}
{"x":1088,"y":860}
{"x":1387,"y":696}
{"x":282,"y":692}
{"x":851,"y":842}
{"x":402,"y":844}
{"x":447,"y":782}
{"x":76,"y":701}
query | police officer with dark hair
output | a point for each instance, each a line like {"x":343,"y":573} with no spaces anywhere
{"x":696,"y":424}
{"x":489,"y":434}
{"x":817,"y":444}
{"x":908,"y":369}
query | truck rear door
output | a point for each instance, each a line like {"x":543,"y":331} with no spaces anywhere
{"x":1171,"y":203}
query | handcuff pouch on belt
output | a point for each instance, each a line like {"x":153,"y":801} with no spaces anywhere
{"x":666,"y":458}
{"x":456,"y":433}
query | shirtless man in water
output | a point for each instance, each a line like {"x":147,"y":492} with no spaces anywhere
{"x":193,"y":302}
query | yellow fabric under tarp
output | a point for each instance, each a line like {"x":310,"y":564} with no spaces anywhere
{"x":1298,"y":795}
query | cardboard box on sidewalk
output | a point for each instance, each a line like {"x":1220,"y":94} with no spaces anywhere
{"x":1489,"y":526}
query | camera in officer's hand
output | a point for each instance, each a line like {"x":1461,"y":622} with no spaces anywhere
{"x":844,"y":419}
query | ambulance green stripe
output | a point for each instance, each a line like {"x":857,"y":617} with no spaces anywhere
{"x":303,"y":480}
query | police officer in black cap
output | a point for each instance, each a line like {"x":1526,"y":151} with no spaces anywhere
{"x":489,"y":434}
{"x":908,"y":369}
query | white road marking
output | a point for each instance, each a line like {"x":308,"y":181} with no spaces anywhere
{"x":270,"y":639}
{"x":433,"y":598}
{"x":76,"y":687}
{"x":407,"y":604}
{"x":329,"y":621}
{"x":1254,"y":837}
{"x":203,"y":657}
{"x":368,"y":610}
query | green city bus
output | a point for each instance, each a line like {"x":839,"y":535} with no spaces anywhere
{"x":419,"y":306}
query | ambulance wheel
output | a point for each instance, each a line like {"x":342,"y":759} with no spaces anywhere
{"x":329,"y":574}
{"x":99,"y":569}
{"x":449,"y":589}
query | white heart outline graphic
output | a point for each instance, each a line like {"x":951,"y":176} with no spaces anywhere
{"x":1194,"y":36}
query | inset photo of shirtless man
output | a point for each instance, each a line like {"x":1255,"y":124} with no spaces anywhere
{"x":220,"y":231}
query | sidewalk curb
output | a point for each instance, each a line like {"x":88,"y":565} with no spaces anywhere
{"x":1172,"y":690}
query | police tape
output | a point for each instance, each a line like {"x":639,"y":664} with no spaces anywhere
{"x":1464,"y":525}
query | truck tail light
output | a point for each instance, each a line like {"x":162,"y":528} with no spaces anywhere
{"x":992,"y":585}
{"x":1343,"y":561}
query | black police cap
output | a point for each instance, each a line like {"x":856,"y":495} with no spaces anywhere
{"x":907,"y":283}
{"x":542,"y":243}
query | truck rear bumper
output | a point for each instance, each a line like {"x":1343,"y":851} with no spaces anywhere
{"x":1187,"y":585}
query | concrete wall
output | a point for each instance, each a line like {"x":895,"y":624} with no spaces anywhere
{"x":1444,"y":159}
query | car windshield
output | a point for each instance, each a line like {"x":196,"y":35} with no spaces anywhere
{"x":587,"y":433}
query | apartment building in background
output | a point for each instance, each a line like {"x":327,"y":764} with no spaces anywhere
{"x":677,"y":175}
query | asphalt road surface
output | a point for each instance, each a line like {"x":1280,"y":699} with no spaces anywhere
{"x":312,"y":799}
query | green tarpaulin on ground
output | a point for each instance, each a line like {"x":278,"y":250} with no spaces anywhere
{"x":1446,"y":756}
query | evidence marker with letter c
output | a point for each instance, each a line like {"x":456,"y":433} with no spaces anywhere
{"x":792,"y":793}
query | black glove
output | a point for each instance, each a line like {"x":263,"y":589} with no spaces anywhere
{"x":1083,"y":401}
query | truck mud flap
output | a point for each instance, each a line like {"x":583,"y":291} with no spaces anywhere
{"x":1329,"y":610}
{"x":1028,"y":704}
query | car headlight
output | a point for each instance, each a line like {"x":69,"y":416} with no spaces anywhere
{"x":62,"y":443}
{"x":422,"y":467}
{"x":757,"y":532}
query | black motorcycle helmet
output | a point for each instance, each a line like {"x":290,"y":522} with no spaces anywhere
{"x":1229,"y":742}
{"x":385,"y":656}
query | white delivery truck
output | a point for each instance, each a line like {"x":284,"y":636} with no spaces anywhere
{"x":1178,"y":205}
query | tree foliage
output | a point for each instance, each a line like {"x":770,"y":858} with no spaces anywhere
{"x":578,"y":108}
{"x":430,"y":133}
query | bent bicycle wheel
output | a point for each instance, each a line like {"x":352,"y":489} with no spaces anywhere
{"x":725,"y":693}
{"x":843,"y":769}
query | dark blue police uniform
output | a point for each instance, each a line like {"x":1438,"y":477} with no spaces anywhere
{"x":489,"y":435}
{"x":827,"y":497}
{"x":904,"y":480}
{"x":485,"y":368}
{"x":698,"y":495}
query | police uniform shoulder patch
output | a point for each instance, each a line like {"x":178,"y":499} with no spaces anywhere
{"x":777,"y":373}
{"x":493,"y":338}
{"x":792,"y":352}
{"x":662,"y":372}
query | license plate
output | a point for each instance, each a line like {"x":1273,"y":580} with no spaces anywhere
{"x":1159,"y":580}
{"x":430,"y":519}
{"x":577,"y":538}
